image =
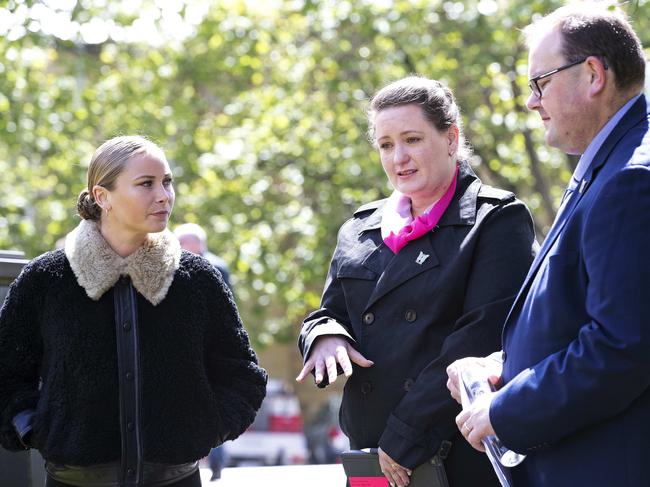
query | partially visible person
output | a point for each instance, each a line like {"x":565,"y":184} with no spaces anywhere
{"x":576,"y":375}
{"x":123,"y":359}
{"x":417,"y":281}
{"x":194,"y":239}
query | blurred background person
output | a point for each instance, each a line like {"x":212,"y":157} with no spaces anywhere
{"x":123,"y":358}
{"x":194,"y":239}
{"x":417,"y":281}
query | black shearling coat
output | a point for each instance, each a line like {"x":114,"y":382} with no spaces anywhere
{"x":199,"y":376}
{"x":412,"y":318}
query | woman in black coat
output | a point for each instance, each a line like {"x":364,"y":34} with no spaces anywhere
{"x":123,"y":359}
{"x":417,"y":281}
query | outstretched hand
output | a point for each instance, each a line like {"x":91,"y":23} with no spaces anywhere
{"x":328,"y":351}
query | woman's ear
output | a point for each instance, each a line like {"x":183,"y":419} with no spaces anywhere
{"x":101,"y":197}
{"x":453,"y":135}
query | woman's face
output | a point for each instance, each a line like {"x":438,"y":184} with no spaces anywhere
{"x":142,"y":199}
{"x":418,"y":159}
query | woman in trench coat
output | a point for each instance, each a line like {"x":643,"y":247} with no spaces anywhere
{"x":417,"y":281}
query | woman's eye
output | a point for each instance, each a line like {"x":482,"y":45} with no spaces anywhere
{"x":168,"y":182}
{"x":412,"y":140}
{"x":146,"y":184}
{"x":385,"y":145}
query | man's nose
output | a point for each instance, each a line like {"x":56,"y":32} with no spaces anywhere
{"x":533,"y":101}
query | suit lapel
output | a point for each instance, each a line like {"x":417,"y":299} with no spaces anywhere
{"x":636,"y":113}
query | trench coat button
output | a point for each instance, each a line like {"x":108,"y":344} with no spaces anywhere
{"x":129,"y":426}
{"x":408,"y":383}
{"x":129,"y":471}
{"x":129,"y":376}
{"x":368,"y":318}
{"x":410,"y":315}
{"x":126,"y":326}
{"x":366,"y":387}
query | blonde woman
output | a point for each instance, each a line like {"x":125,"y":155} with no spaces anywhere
{"x":123,"y":359}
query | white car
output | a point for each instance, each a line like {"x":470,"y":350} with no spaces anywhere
{"x":276,"y":436}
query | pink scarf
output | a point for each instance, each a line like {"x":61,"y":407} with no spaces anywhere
{"x":398,"y":212}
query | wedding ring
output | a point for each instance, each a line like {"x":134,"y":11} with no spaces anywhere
{"x":465,"y":427}
{"x":393,"y":465}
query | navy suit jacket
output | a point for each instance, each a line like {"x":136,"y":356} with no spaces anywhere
{"x":577,"y":340}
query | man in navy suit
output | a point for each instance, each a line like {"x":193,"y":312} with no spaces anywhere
{"x":575,"y":380}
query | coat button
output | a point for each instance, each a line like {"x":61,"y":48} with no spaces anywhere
{"x":130,"y":471}
{"x":126,"y":326}
{"x":410,"y":315}
{"x":366,"y":387}
{"x":408,"y":383}
{"x":129,"y":376}
{"x":368,"y":318}
{"x":129,"y":426}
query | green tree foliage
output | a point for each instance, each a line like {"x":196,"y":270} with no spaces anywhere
{"x":260,"y":107}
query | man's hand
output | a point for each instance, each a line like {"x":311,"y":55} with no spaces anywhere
{"x":492,"y":363}
{"x":396,"y":474}
{"x":474,"y":422}
{"x":326,"y":352}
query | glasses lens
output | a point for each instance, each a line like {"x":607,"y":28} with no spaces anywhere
{"x":533,"y":87}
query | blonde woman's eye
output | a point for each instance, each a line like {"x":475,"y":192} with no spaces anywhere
{"x":413,"y":140}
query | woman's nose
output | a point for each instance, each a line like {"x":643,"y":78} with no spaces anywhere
{"x":401,"y":154}
{"x":163,"y":193}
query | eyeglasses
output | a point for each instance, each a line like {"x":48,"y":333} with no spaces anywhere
{"x":533,"y":83}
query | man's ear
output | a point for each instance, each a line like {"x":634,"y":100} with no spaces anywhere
{"x":102,"y":197}
{"x":598,"y":72}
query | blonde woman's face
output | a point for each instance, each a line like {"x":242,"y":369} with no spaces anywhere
{"x":143,"y":197}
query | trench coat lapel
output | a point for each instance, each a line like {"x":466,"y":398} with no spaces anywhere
{"x":417,"y":257}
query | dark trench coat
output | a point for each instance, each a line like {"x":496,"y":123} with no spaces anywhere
{"x":442,"y":297}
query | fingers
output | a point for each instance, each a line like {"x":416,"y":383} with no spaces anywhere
{"x":473,"y":436}
{"x":462,"y":417}
{"x":473,"y":429}
{"x":358,"y":359}
{"x":319,"y":367}
{"x":330,"y":363}
{"x":452,"y":383}
{"x":327,"y":354}
{"x":344,"y":360}
{"x":495,"y":381}
{"x":395,"y":474}
{"x":305,"y":371}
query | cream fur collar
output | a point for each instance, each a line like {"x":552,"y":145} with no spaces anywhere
{"x":97,"y":267}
